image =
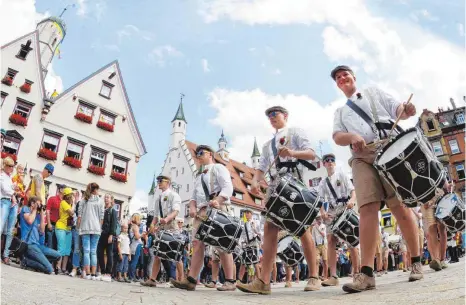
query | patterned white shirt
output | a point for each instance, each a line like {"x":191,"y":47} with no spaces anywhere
{"x":317,"y":232}
{"x":217,"y":180}
{"x":7,"y":186}
{"x":170,"y":201}
{"x":346,"y":120}
{"x":341,"y":184}
{"x":253,"y":231}
{"x":295,"y":138}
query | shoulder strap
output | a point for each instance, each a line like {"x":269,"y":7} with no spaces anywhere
{"x":360,"y":112}
{"x":160,"y":207}
{"x":332,"y":190}
{"x":205,"y":188}
{"x":275,"y":151}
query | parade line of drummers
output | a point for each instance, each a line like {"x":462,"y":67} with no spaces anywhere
{"x":391,"y":167}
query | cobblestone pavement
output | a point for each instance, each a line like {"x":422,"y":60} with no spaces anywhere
{"x":25,"y":287}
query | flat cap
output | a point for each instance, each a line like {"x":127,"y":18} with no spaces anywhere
{"x":340,"y":68}
{"x":204,"y":147}
{"x":163,"y":177}
{"x":276,"y":108}
{"x":328,"y":155}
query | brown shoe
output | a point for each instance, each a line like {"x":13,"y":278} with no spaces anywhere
{"x":211,"y":285}
{"x":288,"y":285}
{"x":360,"y":283}
{"x":227,"y":286}
{"x":416,"y":272}
{"x":256,"y":286}
{"x":331,"y":281}
{"x":435,"y":265}
{"x":149,"y":283}
{"x":184,"y":284}
{"x":313,"y":284}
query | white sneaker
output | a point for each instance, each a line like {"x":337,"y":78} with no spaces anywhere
{"x":73,"y":273}
{"x":97,"y":278}
{"x":88,"y":277}
{"x":106,"y":278}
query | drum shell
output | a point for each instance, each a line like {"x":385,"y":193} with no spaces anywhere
{"x":415,"y":173}
{"x":168,"y":246}
{"x":347,"y":229}
{"x":250,"y":256}
{"x":291,"y":206}
{"x":454,"y":221}
{"x":292,"y":254}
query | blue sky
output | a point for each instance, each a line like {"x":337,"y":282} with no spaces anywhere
{"x":255,"y":60}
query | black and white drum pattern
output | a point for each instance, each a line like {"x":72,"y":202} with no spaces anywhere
{"x":450,"y":210}
{"x":291,"y":205}
{"x":220,"y":230}
{"x":250,"y":256}
{"x":346,"y":227}
{"x":168,"y":246}
{"x":237,"y":255}
{"x":290,"y":251}
{"x":409,"y":165}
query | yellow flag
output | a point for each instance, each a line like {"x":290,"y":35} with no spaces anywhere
{"x":244,"y":218}
{"x":54,"y":94}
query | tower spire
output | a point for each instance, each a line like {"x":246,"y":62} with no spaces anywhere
{"x":152,"y":188}
{"x":180,"y":113}
{"x":255,"y":151}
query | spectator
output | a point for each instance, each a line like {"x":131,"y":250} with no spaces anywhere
{"x":9,"y":206}
{"x":53,"y":214}
{"x":32,"y":221}
{"x":76,"y":260}
{"x":124,"y":254}
{"x":90,"y":219}
{"x":63,"y":228}
{"x":135,"y":246}
{"x":106,"y":239}
{"x":18,"y":181}
{"x":37,"y":185}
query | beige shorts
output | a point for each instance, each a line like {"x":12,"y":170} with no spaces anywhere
{"x":403,"y":247}
{"x":428,"y":218}
{"x":321,"y":251}
{"x":369,"y":185}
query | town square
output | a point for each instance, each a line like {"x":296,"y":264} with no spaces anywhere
{"x":232,"y":152}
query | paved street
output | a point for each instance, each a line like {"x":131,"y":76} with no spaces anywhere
{"x":26,"y":287}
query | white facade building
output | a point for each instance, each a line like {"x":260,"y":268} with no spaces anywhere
{"x":88,"y":132}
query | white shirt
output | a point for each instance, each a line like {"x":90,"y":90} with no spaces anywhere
{"x":253,"y":231}
{"x":7,"y":187}
{"x":341,"y":184}
{"x":123,"y":240}
{"x":317,"y":232}
{"x":294,"y":138}
{"x":170,"y":201}
{"x":217,"y":180}
{"x":346,"y":120}
{"x":385,"y":236}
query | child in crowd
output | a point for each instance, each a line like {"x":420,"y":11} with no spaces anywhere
{"x":135,"y":246}
{"x":124,"y":254}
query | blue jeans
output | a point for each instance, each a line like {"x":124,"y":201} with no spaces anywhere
{"x":76,"y":249}
{"x":90,"y":249}
{"x":38,"y":257}
{"x":9,"y":225}
{"x":63,"y":241}
{"x":134,"y":262}
{"x":51,"y":243}
{"x":123,"y":264}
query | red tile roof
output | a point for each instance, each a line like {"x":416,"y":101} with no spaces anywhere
{"x":239,"y":183}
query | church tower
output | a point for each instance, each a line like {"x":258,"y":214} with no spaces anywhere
{"x":52,"y":31}
{"x":178,"y":126}
{"x":255,"y":155}
{"x":222,"y":148}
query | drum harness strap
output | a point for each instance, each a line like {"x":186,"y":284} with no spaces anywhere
{"x":207,"y":194}
{"x":334,"y":194}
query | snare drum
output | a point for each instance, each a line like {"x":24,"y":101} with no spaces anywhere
{"x":168,"y":245}
{"x":409,"y":165}
{"x":346,"y":227}
{"x":237,"y":255}
{"x":450,"y":211}
{"x":291,"y":206}
{"x":289,"y":251}
{"x":220,"y":230}
{"x":250,"y":256}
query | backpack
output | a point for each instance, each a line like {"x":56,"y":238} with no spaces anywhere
{"x":118,"y":229}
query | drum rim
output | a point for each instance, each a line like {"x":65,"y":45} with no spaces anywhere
{"x":425,"y":194}
{"x":345,"y":212}
{"x":390,"y":143}
{"x":281,"y":239}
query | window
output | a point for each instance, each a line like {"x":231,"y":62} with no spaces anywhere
{"x":85,"y":109}
{"x":106,"y":89}
{"x":460,"y":118}
{"x":98,"y":157}
{"x":454,"y":146}
{"x":74,"y":149}
{"x":51,"y":141}
{"x":182,"y":170}
{"x":186,"y":210}
{"x":4,"y":95}
{"x":106,"y":118}
{"x":11,"y":145}
{"x":54,"y":41}
{"x":239,"y":195}
{"x":170,"y":160}
{"x":241,"y":174}
{"x":9,"y":77}
{"x":187,"y":187}
{"x":430,"y":124}
{"x":248,"y":186}
{"x":22,"y":109}
{"x":437,"y":147}
{"x":387,"y":220}
{"x":177,"y":173}
{"x":316,"y":181}
{"x":179,"y":155}
{"x":117,"y":206}
{"x":258,"y":201}
{"x":120,"y":165}
{"x":460,"y":171}
{"x":24,"y":51}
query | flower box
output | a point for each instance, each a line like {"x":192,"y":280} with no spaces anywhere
{"x":99,"y":171}
{"x":72,"y":162}
{"x":26,"y":88}
{"x":105,"y":126}
{"x":119,"y":177}
{"x":7,"y":80}
{"x":83,"y":118}
{"x":18,"y":119}
{"x":12,"y":156}
{"x":47,"y":154}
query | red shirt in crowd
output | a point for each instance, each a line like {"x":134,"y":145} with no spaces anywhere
{"x":53,"y":205}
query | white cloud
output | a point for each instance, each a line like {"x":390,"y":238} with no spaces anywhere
{"x":205,"y":65}
{"x":460,"y":28}
{"x":159,"y":54}
{"x":112,"y":47}
{"x":53,"y":81}
{"x":395,"y":55}
{"x":139,"y":200}
{"x":277,"y":72}
{"x":82,"y":7}
{"x":131,"y":30}
{"x":423,"y":14}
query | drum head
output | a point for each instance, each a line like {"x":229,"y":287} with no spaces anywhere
{"x":340,"y":219}
{"x":446,"y":205}
{"x":284,"y":243}
{"x":397,"y":147}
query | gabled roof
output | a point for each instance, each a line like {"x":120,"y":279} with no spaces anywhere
{"x":132,"y":119}
{"x":180,"y":114}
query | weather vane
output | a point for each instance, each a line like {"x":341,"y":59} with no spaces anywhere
{"x":66,"y":7}
{"x":182,"y":95}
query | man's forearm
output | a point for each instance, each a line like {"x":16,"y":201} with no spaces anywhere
{"x":172,"y":216}
{"x":47,"y":213}
{"x":305,"y":154}
{"x":342,"y":138}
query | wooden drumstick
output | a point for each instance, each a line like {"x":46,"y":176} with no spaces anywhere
{"x":399,"y":116}
{"x":276,"y":158}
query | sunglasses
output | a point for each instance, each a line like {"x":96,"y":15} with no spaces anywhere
{"x":328,"y":160}
{"x":7,"y":165}
{"x":200,"y":153}
{"x":161,"y":180}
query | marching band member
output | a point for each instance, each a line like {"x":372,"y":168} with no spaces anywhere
{"x":167,"y":208}
{"x":251,"y":238}
{"x":290,"y":144}
{"x":338,"y":190}
{"x":354,"y":126}
{"x":213,"y":189}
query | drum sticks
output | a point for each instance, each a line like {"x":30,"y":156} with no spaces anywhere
{"x":399,"y":116}
{"x":276,"y":158}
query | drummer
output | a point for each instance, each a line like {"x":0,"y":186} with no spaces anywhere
{"x":167,"y":207}
{"x":250,"y":237}
{"x":352,"y":129}
{"x":338,"y":190}
{"x":292,"y":146}
{"x":216,"y":180}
